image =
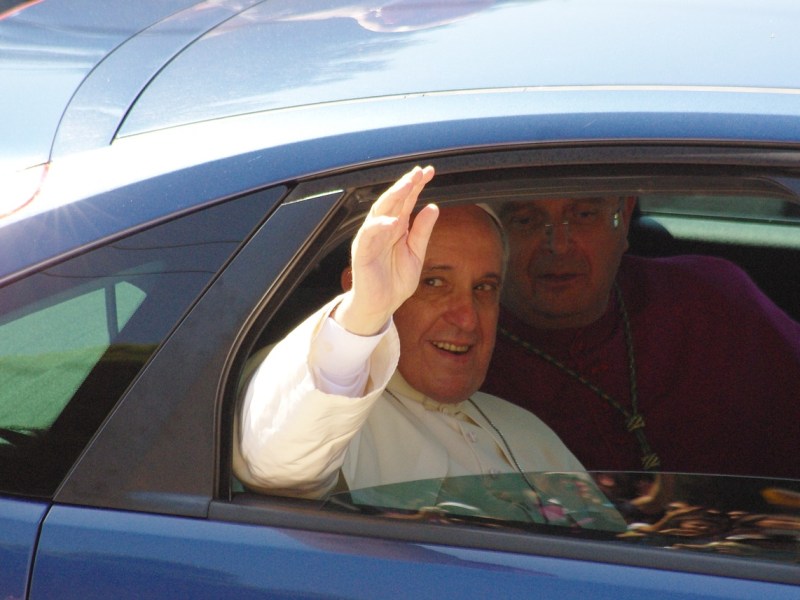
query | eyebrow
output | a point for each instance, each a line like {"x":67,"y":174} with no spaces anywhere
{"x":533,"y":205}
{"x":595,"y":200}
{"x":446,"y":267}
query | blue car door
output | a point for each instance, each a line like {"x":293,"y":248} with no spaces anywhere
{"x":19,"y":530}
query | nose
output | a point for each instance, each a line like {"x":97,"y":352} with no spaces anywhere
{"x":557,"y":237}
{"x":462,"y":311}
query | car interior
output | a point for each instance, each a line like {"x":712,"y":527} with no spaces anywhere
{"x":750,"y":222}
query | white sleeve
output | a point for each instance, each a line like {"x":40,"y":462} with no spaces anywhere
{"x":292,"y":435}
{"x":340,"y":359}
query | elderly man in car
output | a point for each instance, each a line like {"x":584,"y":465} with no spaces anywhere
{"x":380,"y":385}
{"x":675,"y":364}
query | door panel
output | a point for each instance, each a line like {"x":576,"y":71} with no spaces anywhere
{"x":93,"y":553}
{"x":19,"y":528}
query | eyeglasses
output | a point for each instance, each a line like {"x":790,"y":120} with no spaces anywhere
{"x":587,"y":217}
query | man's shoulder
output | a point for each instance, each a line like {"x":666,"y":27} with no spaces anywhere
{"x":684,"y":272}
{"x":687,"y":265}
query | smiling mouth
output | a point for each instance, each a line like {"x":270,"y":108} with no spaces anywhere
{"x":558,"y":277}
{"x":452,"y":348}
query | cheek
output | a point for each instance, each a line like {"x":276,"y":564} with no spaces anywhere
{"x":518,"y":270}
{"x":409,"y":354}
{"x":402,"y":332}
{"x":410,"y":321}
{"x":519,"y":256}
{"x":488,"y":320}
{"x":605,"y":261}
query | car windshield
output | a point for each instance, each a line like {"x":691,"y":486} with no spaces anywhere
{"x":737,"y":516}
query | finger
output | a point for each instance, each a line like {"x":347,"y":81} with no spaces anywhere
{"x":421,"y":178}
{"x":392,"y":201}
{"x":420,"y":233}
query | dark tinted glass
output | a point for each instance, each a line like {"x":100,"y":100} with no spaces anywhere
{"x":73,"y":337}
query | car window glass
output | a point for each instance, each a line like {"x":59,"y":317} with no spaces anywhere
{"x":73,"y":336}
{"x":761,"y":234}
{"x":750,"y":208}
{"x":47,"y":369}
{"x":745,"y":517}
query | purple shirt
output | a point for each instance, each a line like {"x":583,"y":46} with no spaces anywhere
{"x":718,"y":373}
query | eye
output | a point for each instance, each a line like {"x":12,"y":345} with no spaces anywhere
{"x":524,"y":221}
{"x":488,"y":286}
{"x":584,"y":215}
{"x":433,"y":281}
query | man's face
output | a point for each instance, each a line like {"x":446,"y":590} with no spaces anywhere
{"x":561,"y":276}
{"x":447,"y":328}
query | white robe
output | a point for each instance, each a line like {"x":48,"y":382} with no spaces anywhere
{"x":295,"y":440}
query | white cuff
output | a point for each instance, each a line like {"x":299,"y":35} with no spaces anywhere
{"x":339,"y":359}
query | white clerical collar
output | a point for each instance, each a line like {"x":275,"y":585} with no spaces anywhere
{"x":398,"y":386}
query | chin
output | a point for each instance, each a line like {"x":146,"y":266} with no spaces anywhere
{"x":450,"y":397}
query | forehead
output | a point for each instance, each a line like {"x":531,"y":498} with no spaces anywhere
{"x":464,"y":233}
{"x":554,"y":204}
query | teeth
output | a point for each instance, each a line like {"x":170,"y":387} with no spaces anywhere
{"x":451,"y":347}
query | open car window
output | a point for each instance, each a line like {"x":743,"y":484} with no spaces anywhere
{"x":744,"y":518}
{"x":758,"y":228}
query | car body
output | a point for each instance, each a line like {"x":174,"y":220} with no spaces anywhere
{"x":175,"y":176}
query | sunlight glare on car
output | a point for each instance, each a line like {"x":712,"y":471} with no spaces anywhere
{"x":18,"y":189}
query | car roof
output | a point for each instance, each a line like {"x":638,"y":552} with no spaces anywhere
{"x":112,"y":67}
{"x":286,"y":54}
{"x":47,"y":50}
{"x":264,"y":93}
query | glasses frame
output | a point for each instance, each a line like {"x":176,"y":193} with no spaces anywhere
{"x":547,"y":230}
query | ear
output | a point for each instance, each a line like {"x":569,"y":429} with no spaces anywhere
{"x":628,"y":204}
{"x":346,"y":279}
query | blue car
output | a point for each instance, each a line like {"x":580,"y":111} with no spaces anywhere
{"x":179,"y":182}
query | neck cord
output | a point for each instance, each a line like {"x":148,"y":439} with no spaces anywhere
{"x":508,"y":449}
{"x":536,"y":493}
{"x":634,"y":420}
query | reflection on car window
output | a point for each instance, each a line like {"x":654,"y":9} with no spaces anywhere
{"x":760,"y":234}
{"x":729,"y":207}
{"x":558,"y":499}
{"x":47,"y":369}
{"x":745,"y":221}
{"x":732,"y":516}
{"x":73,"y":337}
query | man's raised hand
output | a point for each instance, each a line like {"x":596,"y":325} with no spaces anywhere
{"x":387,"y":255}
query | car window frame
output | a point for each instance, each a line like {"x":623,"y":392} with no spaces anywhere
{"x":362,"y":188}
{"x":144,"y":473}
{"x":341,"y":199}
